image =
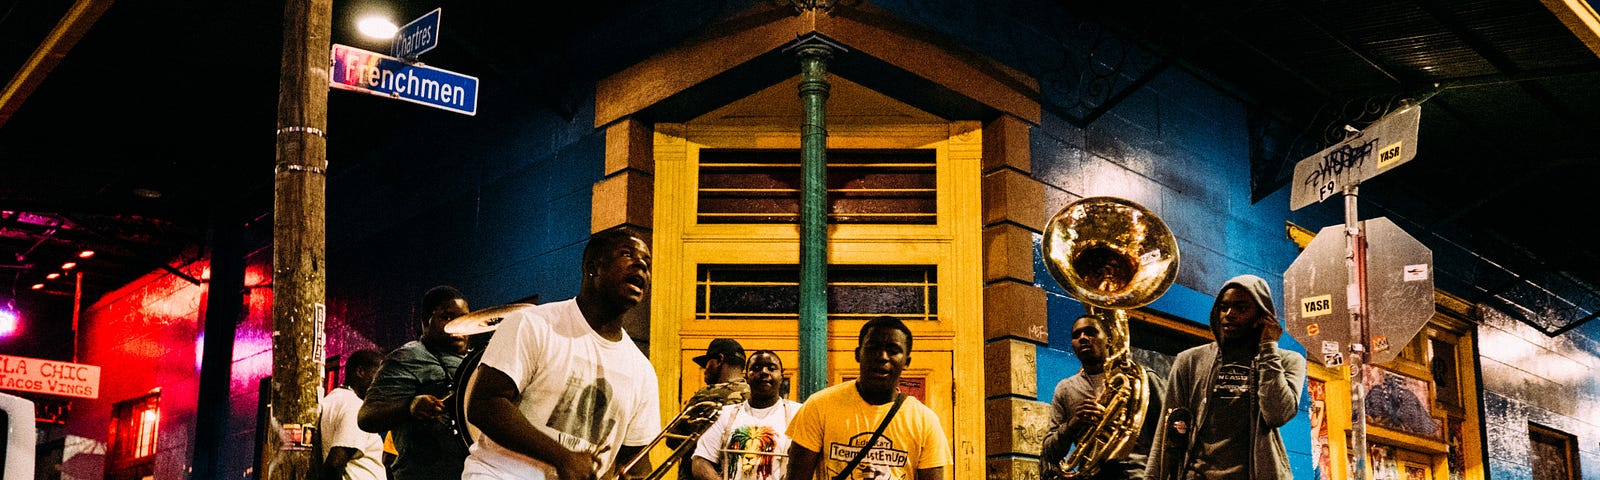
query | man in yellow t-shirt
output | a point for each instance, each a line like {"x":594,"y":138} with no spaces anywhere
{"x":837,"y":422}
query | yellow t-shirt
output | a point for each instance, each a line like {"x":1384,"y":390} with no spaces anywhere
{"x":836,"y":422}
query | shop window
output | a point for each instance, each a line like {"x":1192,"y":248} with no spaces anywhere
{"x":135,"y":424}
{"x":1443,"y":364}
{"x":864,"y":186}
{"x":854,"y":292}
{"x":1553,"y":453}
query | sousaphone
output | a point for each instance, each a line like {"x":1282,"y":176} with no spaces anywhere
{"x":1113,"y":255}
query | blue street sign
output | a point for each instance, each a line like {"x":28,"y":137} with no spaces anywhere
{"x":374,"y":73}
{"x":417,"y":37}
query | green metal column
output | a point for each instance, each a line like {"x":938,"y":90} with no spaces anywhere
{"x":814,"y":56}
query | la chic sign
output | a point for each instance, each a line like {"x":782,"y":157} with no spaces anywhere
{"x":49,"y":377}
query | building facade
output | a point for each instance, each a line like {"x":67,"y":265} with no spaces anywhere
{"x":944,"y":163}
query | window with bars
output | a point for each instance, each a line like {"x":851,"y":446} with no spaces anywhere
{"x":772,"y":292}
{"x":135,"y":424}
{"x":864,"y":186}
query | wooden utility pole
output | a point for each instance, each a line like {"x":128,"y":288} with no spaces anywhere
{"x":299,"y":237}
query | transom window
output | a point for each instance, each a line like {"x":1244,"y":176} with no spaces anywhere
{"x":763,"y":292}
{"x":864,"y":186}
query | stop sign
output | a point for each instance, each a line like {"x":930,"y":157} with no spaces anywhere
{"x":1317,"y":292}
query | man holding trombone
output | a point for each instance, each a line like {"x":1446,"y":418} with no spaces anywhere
{"x":562,"y":392}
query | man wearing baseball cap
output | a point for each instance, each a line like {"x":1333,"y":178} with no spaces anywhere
{"x":723,"y":361}
{"x":723,"y":366}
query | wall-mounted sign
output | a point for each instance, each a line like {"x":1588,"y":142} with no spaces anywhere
{"x":49,"y":377}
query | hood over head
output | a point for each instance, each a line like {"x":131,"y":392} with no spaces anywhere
{"x":1256,"y":287}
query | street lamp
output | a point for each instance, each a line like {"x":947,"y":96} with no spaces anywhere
{"x":377,"y":27}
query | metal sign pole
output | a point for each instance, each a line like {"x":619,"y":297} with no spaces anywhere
{"x":1356,"y":300}
{"x":1396,"y":265}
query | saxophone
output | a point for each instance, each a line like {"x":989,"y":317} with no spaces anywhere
{"x":1111,"y":254}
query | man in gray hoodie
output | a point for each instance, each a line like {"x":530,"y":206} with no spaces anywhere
{"x":1207,"y":434}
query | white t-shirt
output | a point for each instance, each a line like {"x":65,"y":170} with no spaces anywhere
{"x":743,"y":428}
{"x":586,"y":392}
{"x":338,"y":424}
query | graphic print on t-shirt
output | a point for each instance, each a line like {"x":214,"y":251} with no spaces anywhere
{"x":753,"y":438}
{"x":584,"y":412}
{"x":883,"y":461}
{"x":1233,"y":381}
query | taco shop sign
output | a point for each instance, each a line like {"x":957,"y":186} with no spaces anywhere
{"x":49,"y":377}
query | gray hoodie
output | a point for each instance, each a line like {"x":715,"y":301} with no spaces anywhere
{"x":1279,"y":377}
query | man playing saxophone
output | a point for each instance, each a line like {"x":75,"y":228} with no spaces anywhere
{"x":1074,"y":411}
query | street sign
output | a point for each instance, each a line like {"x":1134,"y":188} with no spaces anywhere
{"x":1317,"y":295}
{"x":1387,"y":143}
{"x":52,"y":377}
{"x":374,"y":73}
{"x":417,"y":37}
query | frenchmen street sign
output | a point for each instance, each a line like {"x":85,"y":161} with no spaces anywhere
{"x":52,"y":377}
{"x":374,"y":73}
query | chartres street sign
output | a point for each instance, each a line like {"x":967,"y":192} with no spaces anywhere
{"x":1387,"y":143}
{"x":51,"y":377}
{"x":417,"y":37}
{"x":374,"y":73}
{"x":1316,"y":293}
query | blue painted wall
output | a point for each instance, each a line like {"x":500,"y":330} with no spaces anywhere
{"x":497,"y":205}
{"x":1179,"y":147}
{"x":1176,"y":145}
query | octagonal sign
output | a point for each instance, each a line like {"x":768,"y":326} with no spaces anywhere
{"x":1317,"y":293}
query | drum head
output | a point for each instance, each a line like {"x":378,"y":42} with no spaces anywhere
{"x":463,"y":387}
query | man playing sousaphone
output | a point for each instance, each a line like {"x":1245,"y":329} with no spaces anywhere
{"x":1074,"y":411}
{"x":562,"y":392}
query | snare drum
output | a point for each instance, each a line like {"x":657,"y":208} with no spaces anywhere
{"x":460,"y":397}
{"x":478,"y":326}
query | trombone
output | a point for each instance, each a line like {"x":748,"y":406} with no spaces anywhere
{"x":697,"y":415}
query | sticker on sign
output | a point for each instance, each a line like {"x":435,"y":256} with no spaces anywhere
{"x":1316,"y":306}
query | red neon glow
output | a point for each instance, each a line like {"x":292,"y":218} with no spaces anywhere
{"x":86,"y":254}
{"x":68,"y":265}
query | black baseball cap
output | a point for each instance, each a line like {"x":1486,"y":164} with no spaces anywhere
{"x":725,"y":347}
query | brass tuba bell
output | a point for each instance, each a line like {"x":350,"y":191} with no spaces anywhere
{"x":1111,"y":254}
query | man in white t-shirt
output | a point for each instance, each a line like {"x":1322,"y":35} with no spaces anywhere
{"x":561,"y":391}
{"x":752,"y":432}
{"x":348,"y":452}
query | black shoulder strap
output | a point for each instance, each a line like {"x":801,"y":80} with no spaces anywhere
{"x":843,"y":474}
